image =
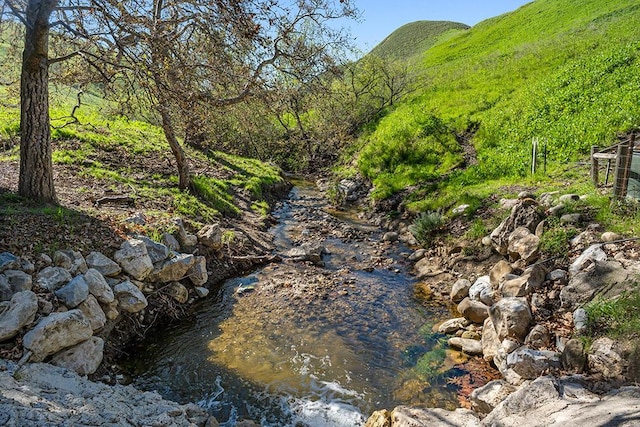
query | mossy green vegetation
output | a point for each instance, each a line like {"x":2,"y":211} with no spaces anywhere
{"x":566,"y":72}
{"x":618,"y":317}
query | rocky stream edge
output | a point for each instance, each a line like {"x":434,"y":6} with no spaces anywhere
{"x":521,"y":314}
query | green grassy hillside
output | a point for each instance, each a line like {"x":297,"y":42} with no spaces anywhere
{"x":414,"y":39}
{"x":565,"y":71}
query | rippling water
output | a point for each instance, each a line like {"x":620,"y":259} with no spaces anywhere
{"x":310,"y":346}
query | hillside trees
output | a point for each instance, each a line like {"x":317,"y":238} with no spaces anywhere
{"x":185,"y":55}
{"x":323,"y":115}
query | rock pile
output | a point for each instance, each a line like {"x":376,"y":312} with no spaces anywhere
{"x":518,"y":299}
{"x":526,"y":311}
{"x":61,"y":307}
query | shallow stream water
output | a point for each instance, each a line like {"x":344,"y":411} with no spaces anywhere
{"x":307,"y":345}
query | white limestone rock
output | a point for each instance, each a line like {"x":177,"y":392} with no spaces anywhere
{"x":17,"y":313}
{"x":83,"y":358}
{"x":56,"y":332}
{"x":130,"y":298}
{"x":134,"y":259}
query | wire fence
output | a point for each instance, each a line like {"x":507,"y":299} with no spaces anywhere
{"x":620,"y":165}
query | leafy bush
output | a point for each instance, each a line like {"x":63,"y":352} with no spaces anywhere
{"x":425,"y":225}
{"x":418,"y":148}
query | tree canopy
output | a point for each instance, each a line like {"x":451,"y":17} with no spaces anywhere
{"x":182,"y":55}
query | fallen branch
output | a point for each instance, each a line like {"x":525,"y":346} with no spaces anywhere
{"x":260,"y":259}
{"x":122,"y":200}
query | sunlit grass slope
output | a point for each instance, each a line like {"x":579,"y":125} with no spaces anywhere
{"x":565,"y":71}
{"x":414,"y":38}
{"x":107,"y":150}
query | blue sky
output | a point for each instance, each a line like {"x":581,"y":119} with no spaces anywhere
{"x":381,"y":17}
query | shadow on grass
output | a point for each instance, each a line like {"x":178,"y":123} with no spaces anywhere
{"x":29,"y":229}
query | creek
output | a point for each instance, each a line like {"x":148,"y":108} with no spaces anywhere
{"x":307,"y":344}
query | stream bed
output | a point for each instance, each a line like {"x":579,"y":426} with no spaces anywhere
{"x":303,"y":343}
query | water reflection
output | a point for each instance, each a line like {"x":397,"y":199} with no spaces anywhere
{"x":309,"y":346}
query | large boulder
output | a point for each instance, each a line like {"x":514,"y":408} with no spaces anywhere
{"x":211,"y":236}
{"x":172,"y":269}
{"x":74,"y":292}
{"x":17,"y":313}
{"x":557,"y":402}
{"x":592,"y":254}
{"x":156,"y":251}
{"x":134,"y":259}
{"x":18,"y":280}
{"x":490,"y":341}
{"x":526,"y":213}
{"x":170,"y":242}
{"x":197,"y":273}
{"x":105,"y":265}
{"x":70,"y":260}
{"x":487,"y":397}
{"x":93,"y":312}
{"x":98,"y":286}
{"x":530,"y":364}
{"x":604,"y":358}
{"x":404,"y":416}
{"x":130,"y":298}
{"x":40,"y":394}
{"x":187,"y":240}
{"x":452,"y":326}
{"x":381,"y":418}
{"x":9,"y":261}
{"x":511,"y":318}
{"x":499,"y":272}
{"x":56,"y":332}
{"x":475,"y":311}
{"x":460,"y":290}
{"x":52,"y":278}
{"x":482,"y":290}
{"x":518,"y":287}
{"x":523,"y":244}
{"x":83,"y":358}
{"x":609,"y":276}
{"x":469,"y":346}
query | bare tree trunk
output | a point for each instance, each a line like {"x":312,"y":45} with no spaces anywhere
{"x":184,"y":174}
{"x":36,"y":167}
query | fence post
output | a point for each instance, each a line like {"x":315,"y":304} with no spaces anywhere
{"x":534,"y":155}
{"x":594,"y":165}
{"x":627,"y":165}
{"x":621,"y":161}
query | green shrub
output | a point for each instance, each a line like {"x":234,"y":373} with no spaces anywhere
{"x":425,"y":225}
